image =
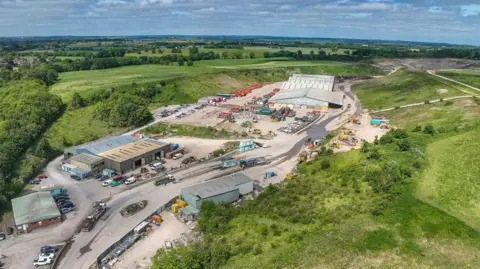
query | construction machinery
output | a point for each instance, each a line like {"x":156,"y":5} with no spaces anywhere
{"x":355,"y":119}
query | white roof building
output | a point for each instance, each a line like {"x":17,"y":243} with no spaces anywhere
{"x":308,"y":90}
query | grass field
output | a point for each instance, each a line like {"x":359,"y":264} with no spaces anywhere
{"x":84,"y":81}
{"x":470,"y":77}
{"x":402,"y":88}
{"x":451,"y":180}
{"x":77,"y":127}
{"x":448,"y":113}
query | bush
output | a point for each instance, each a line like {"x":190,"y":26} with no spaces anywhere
{"x":403,"y":145}
{"x":448,"y":103}
{"x":399,"y":134}
{"x":325,"y":164}
{"x":427,"y":102}
{"x":386,"y":139}
{"x":417,"y":129}
{"x":429,"y":129}
{"x":374,"y":154}
{"x":441,"y":99}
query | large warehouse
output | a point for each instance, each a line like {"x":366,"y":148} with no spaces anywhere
{"x":120,"y":154}
{"x":134,"y":155}
{"x":34,"y":211}
{"x":308,"y":91}
{"x":223,"y":190}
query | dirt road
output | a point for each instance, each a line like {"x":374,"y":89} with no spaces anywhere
{"x":431,"y":72}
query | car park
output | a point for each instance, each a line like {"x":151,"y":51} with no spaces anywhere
{"x":42,"y":262}
{"x":34,"y":181}
{"x":107,"y":182}
{"x":67,"y":205}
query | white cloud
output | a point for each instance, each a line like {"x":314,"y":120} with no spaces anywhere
{"x":181,"y":13}
{"x":286,"y":7}
{"x":470,"y":10}
{"x":111,"y":2}
{"x":261,"y":13}
{"x":435,"y":9}
{"x":357,"y":7}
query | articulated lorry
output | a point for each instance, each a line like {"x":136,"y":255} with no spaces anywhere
{"x":98,"y":210}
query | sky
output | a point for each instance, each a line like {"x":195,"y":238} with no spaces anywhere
{"x":450,"y":21}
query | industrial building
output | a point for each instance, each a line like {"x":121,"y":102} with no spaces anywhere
{"x":88,"y":162}
{"x":34,"y":211}
{"x":119,"y":154}
{"x":134,"y":155}
{"x":226,"y":189}
{"x":308,"y":91}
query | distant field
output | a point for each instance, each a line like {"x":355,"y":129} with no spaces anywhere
{"x":402,"y":88}
{"x":84,"y":81}
{"x":453,"y":113}
{"x":258,"y":51}
{"x":68,"y":57}
{"x":470,"y":77}
{"x":451,"y":180}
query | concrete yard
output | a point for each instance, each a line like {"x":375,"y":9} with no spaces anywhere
{"x":140,"y":254}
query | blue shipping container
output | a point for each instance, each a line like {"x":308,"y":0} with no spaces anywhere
{"x":379,"y":121}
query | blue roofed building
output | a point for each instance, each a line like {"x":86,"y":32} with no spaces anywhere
{"x":99,"y":146}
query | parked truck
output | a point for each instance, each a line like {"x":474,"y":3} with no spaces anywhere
{"x":98,"y":210}
{"x":164,"y":180}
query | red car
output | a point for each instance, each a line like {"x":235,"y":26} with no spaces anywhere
{"x":41,"y":177}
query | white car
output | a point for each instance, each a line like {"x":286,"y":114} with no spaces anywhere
{"x":41,"y":262}
{"x":177,"y":156}
{"x":107,"y":182}
{"x":130,"y":180}
{"x":43,"y":256}
{"x":266,"y":145}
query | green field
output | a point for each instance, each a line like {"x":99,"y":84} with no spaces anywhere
{"x":85,"y":81}
{"x":470,"y":77}
{"x":78,"y":126}
{"x":258,"y":51}
{"x":402,"y":88}
{"x":451,"y":180}
{"x":446,"y":114}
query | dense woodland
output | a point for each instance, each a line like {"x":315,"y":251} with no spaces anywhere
{"x":27,"y":109}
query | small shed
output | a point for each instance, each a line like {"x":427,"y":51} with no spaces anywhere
{"x":109,"y":172}
{"x":81,"y":173}
{"x":246,"y":145}
{"x":189,"y":213}
{"x":68,"y":167}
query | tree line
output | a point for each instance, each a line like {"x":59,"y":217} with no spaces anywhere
{"x":27,"y":109}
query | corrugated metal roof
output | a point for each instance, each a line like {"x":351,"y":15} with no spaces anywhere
{"x":295,"y":97}
{"x":99,"y":146}
{"x":132,"y":150}
{"x":300,"y":81}
{"x":86,"y":158}
{"x":217,"y":186}
{"x":34,"y":207}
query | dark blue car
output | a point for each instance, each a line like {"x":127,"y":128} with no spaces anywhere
{"x":48,"y":249}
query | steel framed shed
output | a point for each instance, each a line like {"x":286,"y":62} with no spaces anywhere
{"x":226,"y":189}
